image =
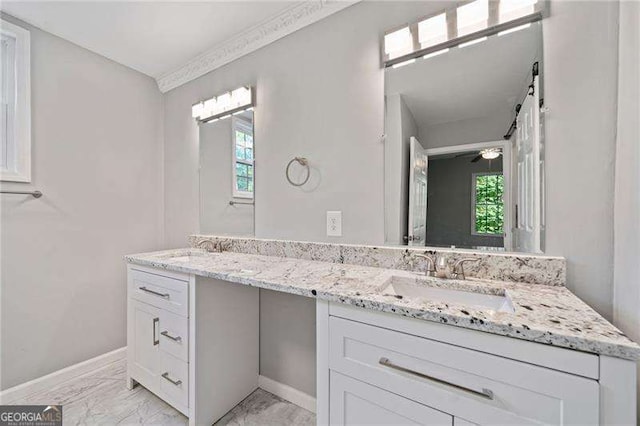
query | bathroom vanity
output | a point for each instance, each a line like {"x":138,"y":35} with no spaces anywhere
{"x":392,"y":344}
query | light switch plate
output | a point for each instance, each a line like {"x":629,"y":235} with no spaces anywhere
{"x":334,"y":224}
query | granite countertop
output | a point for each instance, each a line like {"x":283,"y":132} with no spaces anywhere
{"x":545,"y":314}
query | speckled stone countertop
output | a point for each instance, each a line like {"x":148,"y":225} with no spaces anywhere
{"x":545,"y":314}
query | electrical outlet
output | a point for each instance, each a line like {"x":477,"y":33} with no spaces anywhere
{"x":334,"y":224}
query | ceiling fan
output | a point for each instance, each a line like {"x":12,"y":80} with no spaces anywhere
{"x":487,"y":154}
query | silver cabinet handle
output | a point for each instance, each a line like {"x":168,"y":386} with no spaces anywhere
{"x":155,"y":293}
{"x":485,"y":393}
{"x":155,"y":322}
{"x":175,"y":382}
{"x":174,"y":338}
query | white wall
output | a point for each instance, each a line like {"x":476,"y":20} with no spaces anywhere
{"x":97,"y":157}
{"x":626,"y":290}
{"x":320,"y":94}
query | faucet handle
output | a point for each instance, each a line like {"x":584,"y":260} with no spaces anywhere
{"x":458,"y":267}
{"x":431,"y":268}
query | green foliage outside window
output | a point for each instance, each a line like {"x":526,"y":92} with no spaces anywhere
{"x":489,"y":206}
{"x":244,"y":160}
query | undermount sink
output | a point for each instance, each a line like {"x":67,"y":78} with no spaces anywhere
{"x":187,"y":257}
{"x":497,"y":301}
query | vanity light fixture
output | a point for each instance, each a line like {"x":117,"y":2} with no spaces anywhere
{"x":224,"y":105}
{"x":433,"y":30}
{"x":436,"y":53}
{"x":398,"y":43}
{"x":472,"y":17}
{"x":513,"y":30}
{"x":467,"y":23}
{"x":472,"y":42}
{"x":402,"y":64}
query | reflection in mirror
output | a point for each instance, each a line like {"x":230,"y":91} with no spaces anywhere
{"x":227,"y":175}
{"x":464,"y":157}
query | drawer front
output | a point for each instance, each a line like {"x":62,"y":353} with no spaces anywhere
{"x":356,"y":403}
{"x":174,"y":335}
{"x":174,"y":380}
{"x":481,"y":388}
{"x":166,"y":293}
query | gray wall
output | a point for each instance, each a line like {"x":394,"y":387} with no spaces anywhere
{"x":580,"y":69}
{"x":97,"y":157}
{"x":626,"y":297}
{"x":485,"y":129}
{"x":216,"y":188}
{"x":325,"y":82}
{"x":449,"y":192}
{"x":400,"y":126}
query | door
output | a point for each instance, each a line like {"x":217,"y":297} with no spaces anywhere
{"x":417,"y":223}
{"x":145,"y":359}
{"x":356,"y":403}
{"x":527,"y":228}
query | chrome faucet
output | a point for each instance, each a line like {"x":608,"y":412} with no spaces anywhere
{"x":431,"y":267}
{"x":458,"y":268}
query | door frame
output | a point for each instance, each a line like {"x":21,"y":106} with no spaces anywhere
{"x":505,"y":145}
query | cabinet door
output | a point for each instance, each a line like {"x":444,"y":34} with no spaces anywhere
{"x":356,"y":403}
{"x":144,"y":356}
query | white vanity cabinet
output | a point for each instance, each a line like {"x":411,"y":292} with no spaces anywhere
{"x":192,"y":341}
{"x":158,"y":334}
{"x":379,"y":368}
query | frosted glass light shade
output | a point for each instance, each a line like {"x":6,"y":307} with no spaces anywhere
{"x":398,"y":42}
{"x":433,"y":30}
{"x":473,"y":17}
{"x":223,"y":105}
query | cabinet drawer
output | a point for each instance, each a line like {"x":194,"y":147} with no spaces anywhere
{"x":356,"y":403}
{"x":482,"y":388}
{"x":166,"y":293}
{"x":174,"y":335}
{"x":174,"y":380}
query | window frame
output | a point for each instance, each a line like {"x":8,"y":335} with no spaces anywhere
{"x":237,"y":122}
{"x":20,"y":166}
{"x":474,"y":177}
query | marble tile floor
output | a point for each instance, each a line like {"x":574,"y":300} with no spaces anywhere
{"x":101,"y":398}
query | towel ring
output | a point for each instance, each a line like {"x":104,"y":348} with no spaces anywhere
{"x":303,"y":162}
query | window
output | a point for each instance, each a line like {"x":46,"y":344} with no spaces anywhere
{"x":243,"y":158}
{"x":15,"y":133}
{"x":488,"y":205}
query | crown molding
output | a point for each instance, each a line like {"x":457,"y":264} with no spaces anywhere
{"x":290,"y":20}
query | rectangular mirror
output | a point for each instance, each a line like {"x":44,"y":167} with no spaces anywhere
{"x":464,"y":145}
{"x":227,"y":184}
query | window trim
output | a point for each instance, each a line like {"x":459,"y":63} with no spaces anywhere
{"x":237,"y":122}
{"x":22,"y":116}
{"x":473,"y":205}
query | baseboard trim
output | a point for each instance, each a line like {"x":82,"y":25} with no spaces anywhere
{"x":292,"y":395}
{"x":23,"y":390}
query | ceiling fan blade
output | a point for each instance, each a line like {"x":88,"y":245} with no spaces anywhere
{"x":468,"y":154}
{"x":476,"y":158}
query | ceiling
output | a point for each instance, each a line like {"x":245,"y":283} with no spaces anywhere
{"x":151,"y":37}
{"x":472,"y":82}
